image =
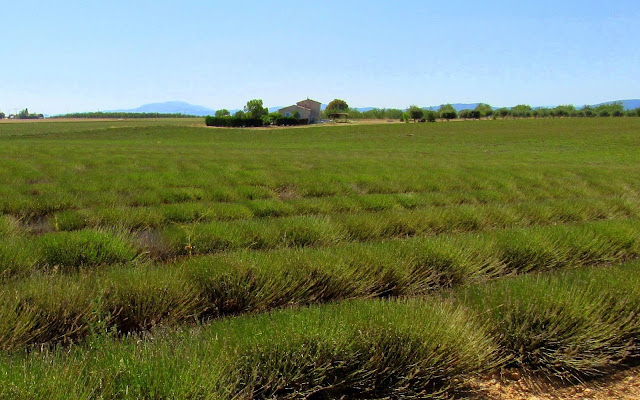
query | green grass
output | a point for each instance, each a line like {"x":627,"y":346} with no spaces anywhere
{"x":18,"y":257}
{"x":114,"y":229}
{"x":132,"y":298}
{"x":569,"y":323}
{"x":85,"y":248}
{"x":146,"y":217}
{"x":187,"y":239}
{"x":374,"y":349}
{"x":9,"y":226}
{"x":572,"y":325}
{"x":515,"y":159}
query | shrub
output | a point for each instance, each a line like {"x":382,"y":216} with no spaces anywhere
{"x":447,"y":112}
{"x":17,"y":257}
{"x":137,"y":301}
{"x":415,"y":112}
{"x":375,"y":349}
{"x":270,"y":118}
{"x":234,"y":122}
{"x":69,"y":221}
{"x":42,"y":311}
{"x":9,"y":226}
{"x":485,"y":110}
{"x":224,"y":121}
{"x":470,"y":114}
{"x":502,"y":112}
{"x":84,"y":248}
{"x":568,"y":325}
{"x":291,"y":121}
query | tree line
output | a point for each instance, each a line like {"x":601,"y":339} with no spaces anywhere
{"x":482,"y":110}
{"x":100,"y":114}
{"x":413,"y":112}
{"x":24,"y":114}
{"x":255,"y":114}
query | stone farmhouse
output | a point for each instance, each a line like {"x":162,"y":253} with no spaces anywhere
{"x":308,"y":108}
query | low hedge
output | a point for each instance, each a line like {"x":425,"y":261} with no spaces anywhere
{"x":233,"y":122}
{"x":291,"y":121}
{"x":243,"y":122}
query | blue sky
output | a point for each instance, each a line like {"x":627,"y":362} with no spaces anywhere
{"x":82,"y":56}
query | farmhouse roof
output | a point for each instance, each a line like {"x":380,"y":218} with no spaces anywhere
{"x":296,"y":106}
{"x":308,"y":99}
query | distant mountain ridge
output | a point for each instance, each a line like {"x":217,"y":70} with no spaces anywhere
{"x":458,"y":106}
{"x":627,"y":104}
{"x":181,"y":107}
{"x":171,"y":107}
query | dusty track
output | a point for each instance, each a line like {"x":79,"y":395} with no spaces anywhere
{"x":624,"y":385}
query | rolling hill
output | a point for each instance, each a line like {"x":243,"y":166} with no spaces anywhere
{"x":171,"y":107}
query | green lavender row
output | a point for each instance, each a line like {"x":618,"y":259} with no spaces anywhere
{"x":576,"y":324}
{"x":62,"y":308}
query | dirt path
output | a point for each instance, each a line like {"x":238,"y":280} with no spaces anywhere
{"x":624,"y":385}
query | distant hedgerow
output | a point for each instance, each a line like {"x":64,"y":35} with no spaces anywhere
{"x":245,"y":122}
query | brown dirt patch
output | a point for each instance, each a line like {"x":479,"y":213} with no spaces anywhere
{"x":623,"y":385}
{"x":153,"y":244}
{"x":288,"y":193}
{"x":39,"y":225}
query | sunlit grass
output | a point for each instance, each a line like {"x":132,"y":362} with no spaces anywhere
{"x":134,"y":298}
{"x":570,"y":325}
{"x":162,"y":259}
{"x":574,"y":324}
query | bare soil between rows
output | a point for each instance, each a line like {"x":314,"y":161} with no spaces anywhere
{"x":510,"y":385}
